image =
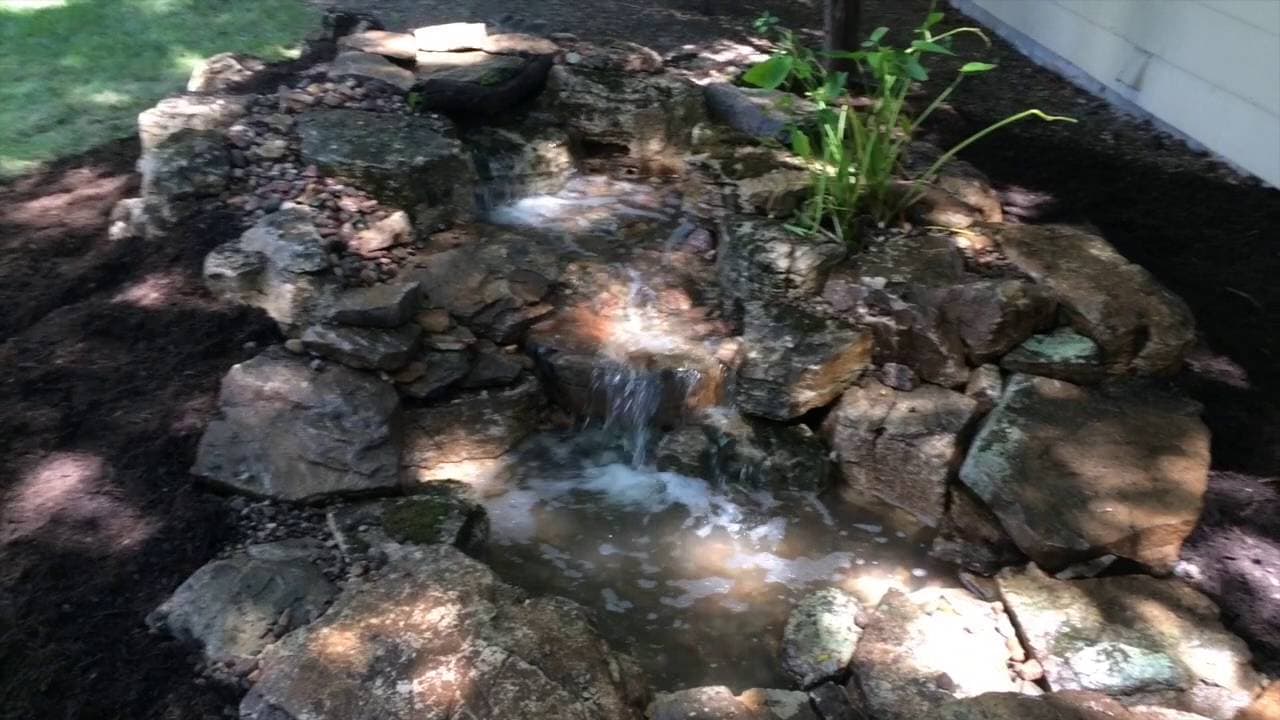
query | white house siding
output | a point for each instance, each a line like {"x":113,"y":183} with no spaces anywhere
{"x":1208,"y":69}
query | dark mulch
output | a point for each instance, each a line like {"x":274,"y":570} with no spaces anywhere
{"x":109,"y":367}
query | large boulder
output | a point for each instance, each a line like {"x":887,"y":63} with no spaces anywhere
{"x":182,"y":172}
{"x":438,"y":636}
{"x":718,"y":702}
{"x":796,"y":360}
{"x":820,"y":636}
{"x":1138,"y":637}
{"x":469,"y":435}
{"x":189,"y":112}
{"x":900,"y":448}
{"x":278,"y":265}
{"x":289,"y":432}
{"x":760,"y":260}
{"x":1142,"y":328}
{"x":233,"y":608}
{"x":923,"y":650}
{"x":402,"y":160}
{"x":1075,"y":473}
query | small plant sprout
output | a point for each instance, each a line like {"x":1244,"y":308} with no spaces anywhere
{"x":856,"y":153}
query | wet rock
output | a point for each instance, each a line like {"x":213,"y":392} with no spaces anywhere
{"x":724,"y":446}
{"x":527,"y":159}
{"x":401,"y":160}
{"x":1148,"y":640}
{"x":234,"y":608}
{"x":439,"y":512}
{"x":469,"y":434}
{"x":719,"y":703}
{"x":288,"y":432}
{"x":477,"y":83}
{"x":761,"y":180}
{"x":401,"y":46}
{"x":224,"y":72}
{"x":761,"y":260}
{"x":1142,"y":328}
{"x":796,"y":361}
{"x":438,"y":631}
{"x":1053,"y":706}
{"x":186,"y":169}
{"x":1064,"y":355}
{"x":381,"y":306}
{"x":901,"y":448}
{"x":1074,"y":473}
{"x":368,"y":66}
{"x":820,"y":637}
{"x":921,"y":651}
{"x":757,"y":112}
{"x":189,"y":112}
{"x":641,"y":113}
{"x":451,"y":37}
{"x":441,"y":371}
{"x":364,"y":348}
{"x":994,"y":316}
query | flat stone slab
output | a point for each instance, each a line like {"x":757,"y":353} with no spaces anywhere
{"x":402,"y":46}
{"x":1133,"y":636}
{"x":1053,"y":706}
{"x":1074,"y":473}
{"x":438,"y":636}
{"x":371,"y":66}
{"x":364,"y":348}
{"x":718,"y":702}
{"x":289,"y":432}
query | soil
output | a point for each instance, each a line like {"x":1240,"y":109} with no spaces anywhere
{"x":111,"y":353}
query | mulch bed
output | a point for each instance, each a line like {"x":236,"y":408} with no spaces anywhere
{"x":111,"y":355}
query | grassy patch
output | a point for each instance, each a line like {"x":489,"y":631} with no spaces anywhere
{"x":76,"y":73}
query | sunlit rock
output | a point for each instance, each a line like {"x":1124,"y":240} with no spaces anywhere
{"x":759,"y":179}
{"x":371,"y":66}
{"x":760,"y":260}
{"x":438,"y":636}
{"x":923,"y":650}
{"x":1075,"y":473}
{"x":719,"y":703}
{"x":364,"y":348}
{"x":1064,"y":354}
{"x":405,"y":161}
{"x":384,"y":305}
{"x":224,"y":72}
{"x":1147,"y":640}
{"x":233,"y":608}
{"x":957,"y":178}
{"x":450,"y":37}
{"x":289,"y":432}
{"x":821,"y":634}
{"x":401,"y":46}
{"x":900,"y":448}
{"x":796,"y":361}
{"x":189,"y":112}
{"x":1142,"y":328}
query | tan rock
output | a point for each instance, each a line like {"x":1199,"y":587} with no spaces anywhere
{"x":450,"y":37}
{"x":403,"y":46}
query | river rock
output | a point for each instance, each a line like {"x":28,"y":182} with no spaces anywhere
{"x":234,"y":608}
{"x":1064,"y":354}
{"x":921,"y":651}
{"x":796,"y":361}
{"x":1142,"y":328}
{"x":364,"y":348}
{"x":224,"y":72}
{"x":213,"y":113}
{"x":468,"y":435}
{"x":438,"y":512}
{"x":370,"y":66}
{"x":718,"y":702}
{"x":1146,"y":639}
{"x":1053,"y":706}
{"x":277,"y":265}
{"x":437,"y":635}
{"x":901,"y":448}
{"x":820,"y":636}
{"x":286,"y":431}
{"x":477,"y":83}
{"x":382,"y":306}
{"x":1075,"y":473}
{"x":179,"y":174}
{"x":402,"y":160}
{"x":401,"y":46}
{"x":760,"y":260}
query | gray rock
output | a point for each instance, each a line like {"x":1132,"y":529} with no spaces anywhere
{"x":898,"y":377}
{"x":288,"y":432}
{"x":821,"y":634}
{"x":900,"y":448}
{"x":186,"y":169}
{"x":760,"y":180}
{"x":290,"y":550}
{"x":796,"y":361}
{"x":370,"y":66}
{"x":757,"y":112}
{"x":437,"y":635}
{"x":760,"y":260}
{"x":1142,"y":328}
{"x":289,"y":240}
{"x":468,"y":435}
{"x":1070,"y":705}
{"x":235,"y":608}
{"x":1064,"y":355}
{"x":921,"y":651}
{"x":439,"y":512}
{"x":402,"y":160}
{"x":724,"y":446}
{"x":521,"y":160}
{"x":224,"y":72}
{"x":719,"y":703}
{"x":382,"y":305}
{"x":189,"y":112}
{"x":493,"y":368}
{"x":1074,"y":473}
{"x":401,"y":46}
{"x":519,"y":44}
{"x":364,"y":348}
{"x":994,"y":316}
{"x":1148,"y":640}
{"x":443,"y":369}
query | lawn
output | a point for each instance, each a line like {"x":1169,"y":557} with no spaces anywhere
{"x":76,"y":73}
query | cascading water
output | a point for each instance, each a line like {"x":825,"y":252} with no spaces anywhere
{"x":695,"y":578}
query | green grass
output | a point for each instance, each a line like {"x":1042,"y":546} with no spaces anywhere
{"x":76,"y":73}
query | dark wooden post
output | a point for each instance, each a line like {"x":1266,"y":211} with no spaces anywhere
{"x":840,"y":22}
